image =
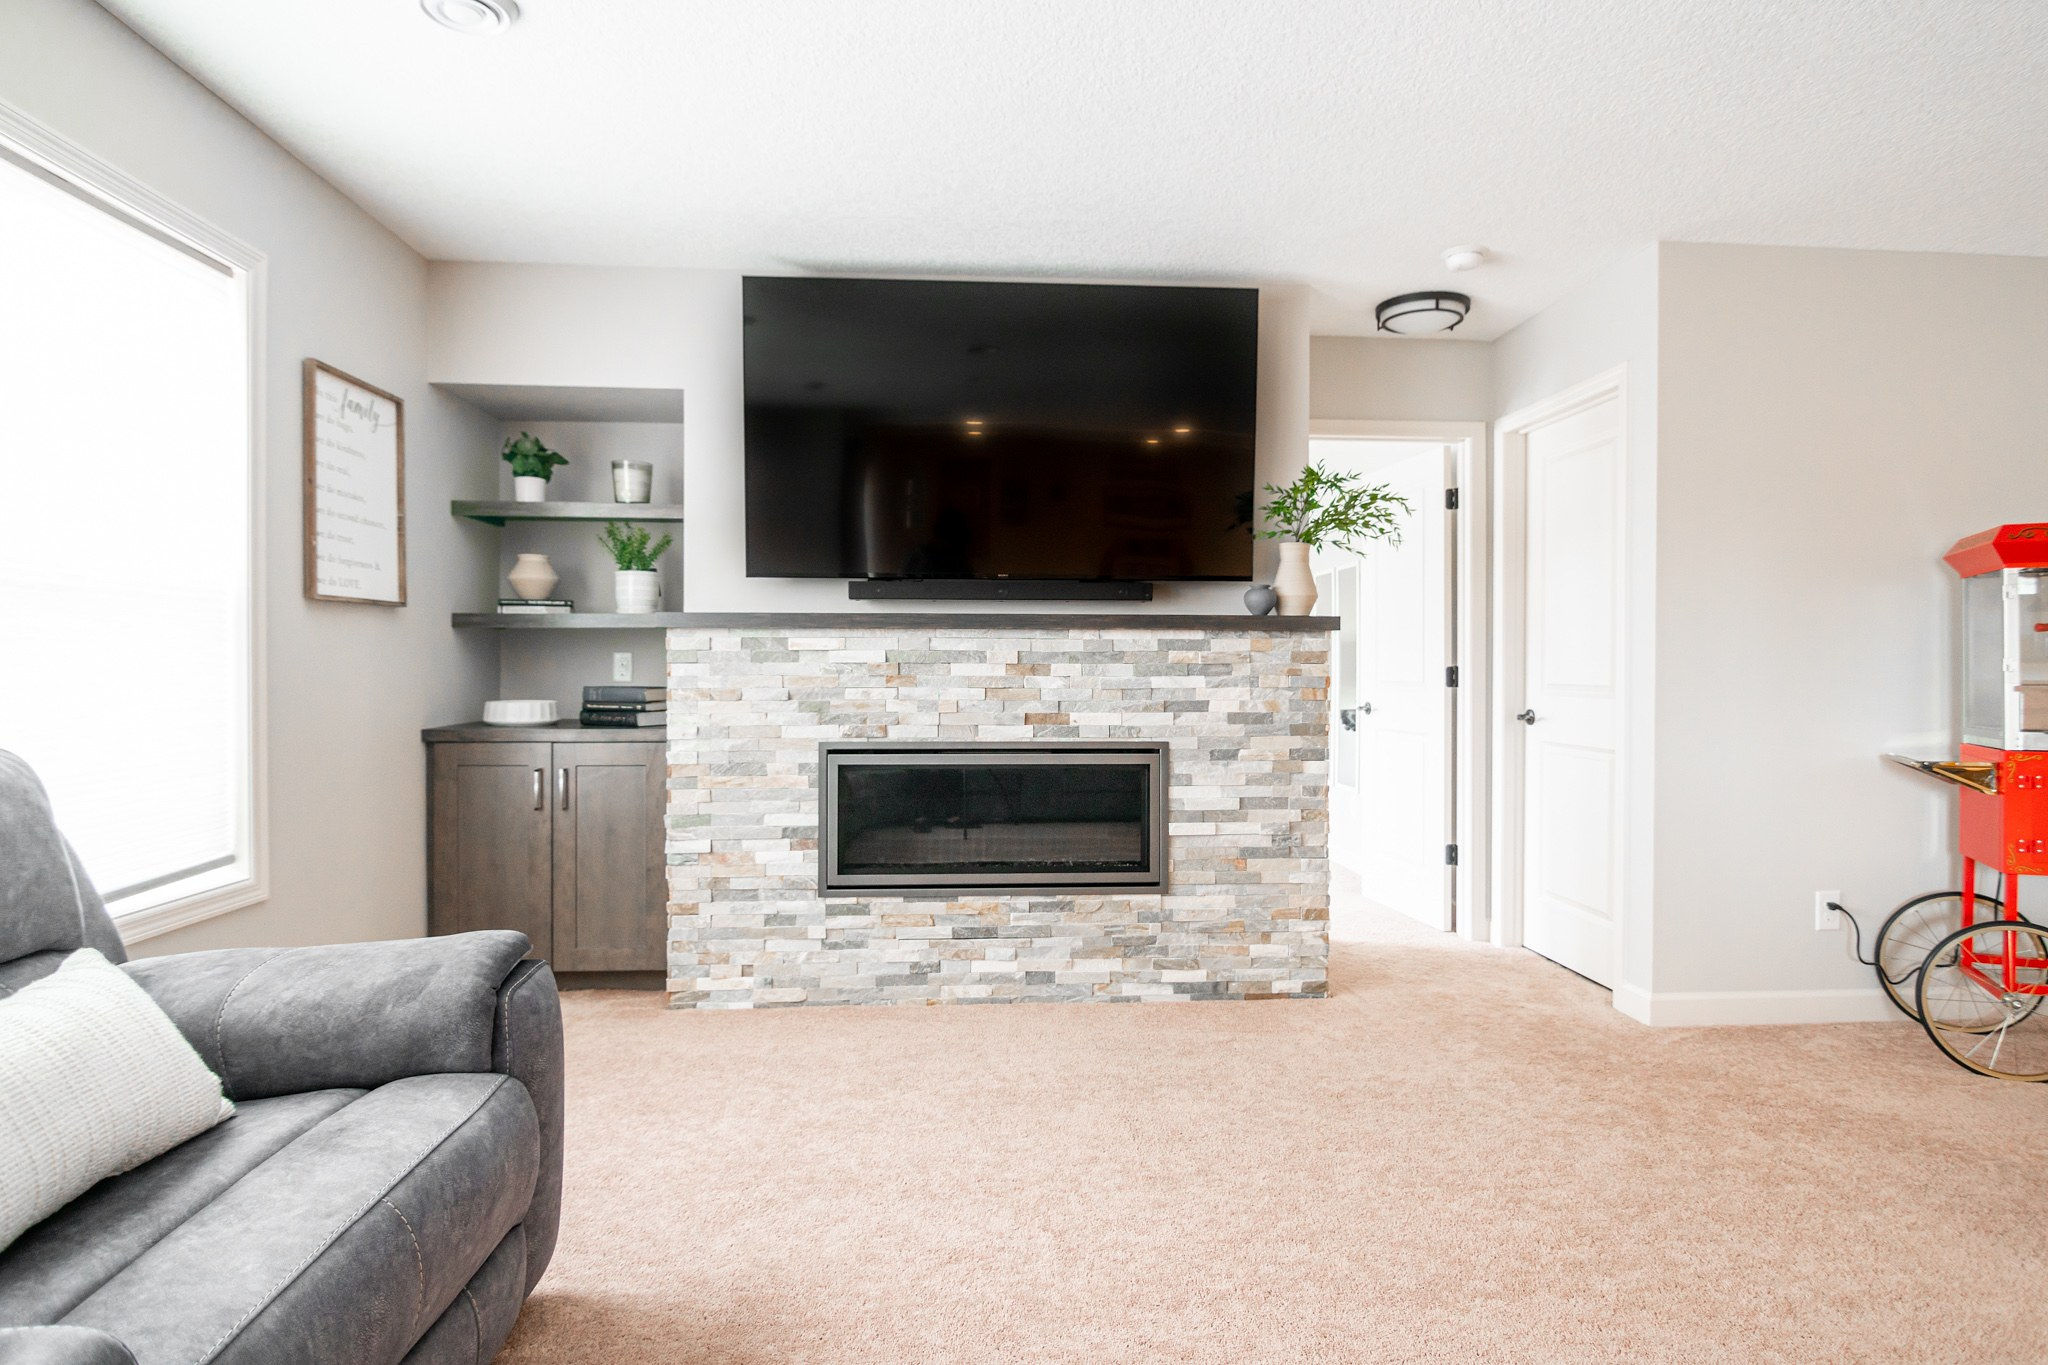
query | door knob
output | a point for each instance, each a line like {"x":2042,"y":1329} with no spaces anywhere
{"x":1365,"y":708}
{"x":1527,"y":717}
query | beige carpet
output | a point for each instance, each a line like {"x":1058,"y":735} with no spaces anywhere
{"x":1463,"y":1155}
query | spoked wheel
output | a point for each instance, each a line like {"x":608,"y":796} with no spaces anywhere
{"x":1910,"y":934}
{"x":1970,"y":1013}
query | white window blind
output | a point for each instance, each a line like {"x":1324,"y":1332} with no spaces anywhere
{"x":125,"y":532}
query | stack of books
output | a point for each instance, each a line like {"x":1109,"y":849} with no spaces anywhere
{"x":536,"y":606}
{"x":625,"y":706}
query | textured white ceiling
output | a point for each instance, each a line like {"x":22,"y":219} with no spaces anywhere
{"x":1342,"y":144}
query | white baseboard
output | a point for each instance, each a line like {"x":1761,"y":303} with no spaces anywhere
{"x":1700,"y":1009}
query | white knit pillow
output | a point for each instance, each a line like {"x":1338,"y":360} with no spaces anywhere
{"x":95,"y":1079}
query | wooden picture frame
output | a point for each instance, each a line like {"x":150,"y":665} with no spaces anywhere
{"x":359,"y":488}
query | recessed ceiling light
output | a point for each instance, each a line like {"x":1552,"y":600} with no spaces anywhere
{"x":1465,"y":257}
{"x":1432,"y":310}
{"x":472,"y":16}
{"x":1182,"y":431}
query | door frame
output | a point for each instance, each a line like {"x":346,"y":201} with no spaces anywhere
{"x":1510,"y":578}
{"x":1470,"y":589}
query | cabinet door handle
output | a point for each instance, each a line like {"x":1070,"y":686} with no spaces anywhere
{"x":562,"y":787}
{"x":539,"y":791}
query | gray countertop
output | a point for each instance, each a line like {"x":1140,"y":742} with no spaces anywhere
{"x":561,"y":732}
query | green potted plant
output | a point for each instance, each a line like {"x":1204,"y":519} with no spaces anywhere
{"x":636,"y":586}
{"x":533,"y":464}
{"x":1319,"y":511}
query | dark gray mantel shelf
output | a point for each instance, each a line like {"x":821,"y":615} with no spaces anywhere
{"x":904,"y":620}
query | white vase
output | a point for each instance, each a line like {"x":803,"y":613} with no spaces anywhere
{"x":636,"y":591}
{"x":532,"y":576}
{"x":529,"y":488}
{"x":1294,"y":583}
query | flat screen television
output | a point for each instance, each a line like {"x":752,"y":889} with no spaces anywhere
{"x":945,"y":430}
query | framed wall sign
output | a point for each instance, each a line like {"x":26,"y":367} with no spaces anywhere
{"x":354,"y":489}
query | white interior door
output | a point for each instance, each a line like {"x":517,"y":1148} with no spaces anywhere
{"x":1337,"y":588}
{"x":1395,"y":693}
{"x":1570,"y":673}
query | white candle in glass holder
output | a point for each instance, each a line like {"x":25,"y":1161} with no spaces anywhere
{"x":632,"y":481}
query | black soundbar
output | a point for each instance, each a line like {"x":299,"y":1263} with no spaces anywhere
{"x":995,"y":590}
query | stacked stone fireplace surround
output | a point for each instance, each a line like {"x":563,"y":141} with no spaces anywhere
{"x":1243,"y":709}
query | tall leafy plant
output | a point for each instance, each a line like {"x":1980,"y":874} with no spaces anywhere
{"x":530,"y":459}
{"x":633,"y":548}
{"x":1326,"y":511}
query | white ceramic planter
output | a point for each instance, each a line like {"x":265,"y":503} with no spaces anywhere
{"x":636,"y":592}
{"x":529,"y":488}
{"x":1295,"y":585}
{"x":532,"y":576}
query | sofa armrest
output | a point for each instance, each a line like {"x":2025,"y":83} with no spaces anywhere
{"x":277,"y":1021}
{"x":60,"y":1345}
{"x":529,"y":1050}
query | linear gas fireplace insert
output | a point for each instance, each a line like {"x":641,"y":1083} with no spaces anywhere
{"x":933,"y":819}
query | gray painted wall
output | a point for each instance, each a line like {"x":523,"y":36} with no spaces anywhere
{"x":1831,"y":422}
{"x":1400,"y":380}
{"x":349,"y":687}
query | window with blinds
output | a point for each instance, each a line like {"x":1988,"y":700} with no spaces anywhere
{"x":126,"y":588}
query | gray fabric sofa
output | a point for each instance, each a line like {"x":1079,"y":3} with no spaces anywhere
{"x":388,"y":1189}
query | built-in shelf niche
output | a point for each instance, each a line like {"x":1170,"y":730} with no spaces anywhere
{"x":592,"y":425}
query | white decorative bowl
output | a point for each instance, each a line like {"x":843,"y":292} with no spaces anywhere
{"x":519,"y":713}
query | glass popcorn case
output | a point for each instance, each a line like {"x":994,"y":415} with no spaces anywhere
{"x":2005,"y":637}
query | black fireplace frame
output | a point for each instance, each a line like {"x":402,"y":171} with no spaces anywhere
{"x":833,"y":754}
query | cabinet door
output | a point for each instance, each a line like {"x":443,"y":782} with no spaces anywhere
{"x":488,"y":828}
{"x":611,"y":885}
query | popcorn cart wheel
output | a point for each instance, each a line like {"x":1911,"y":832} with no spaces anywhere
{"x":1978,"y":994}
{"x":1910,"y":933}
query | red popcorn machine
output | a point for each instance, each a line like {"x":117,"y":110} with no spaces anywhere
{"x":1966,"y":964}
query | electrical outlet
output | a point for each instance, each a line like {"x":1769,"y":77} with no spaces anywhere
{"x":1825,"y":920}
{"x":622,"y":666}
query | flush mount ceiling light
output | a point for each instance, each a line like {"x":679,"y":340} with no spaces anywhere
{"x":472,"y":16}
{"x":1433,"y":310}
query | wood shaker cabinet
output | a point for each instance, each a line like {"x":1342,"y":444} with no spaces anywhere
{"x":555,"y":831}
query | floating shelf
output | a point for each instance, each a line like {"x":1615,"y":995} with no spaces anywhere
{"x":574,"y":620}
{"x":498,"y":513}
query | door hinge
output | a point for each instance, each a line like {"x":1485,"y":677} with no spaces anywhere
{"x":1451,"y":676}
{"x":1450,"y":499}
{"x":1451,"y":854}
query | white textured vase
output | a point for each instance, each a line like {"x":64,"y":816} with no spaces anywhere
{"x":1295,"y":585}
{"x":636,"y":591}
{"x":532,"y":576}
{"x":529,"y":488}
